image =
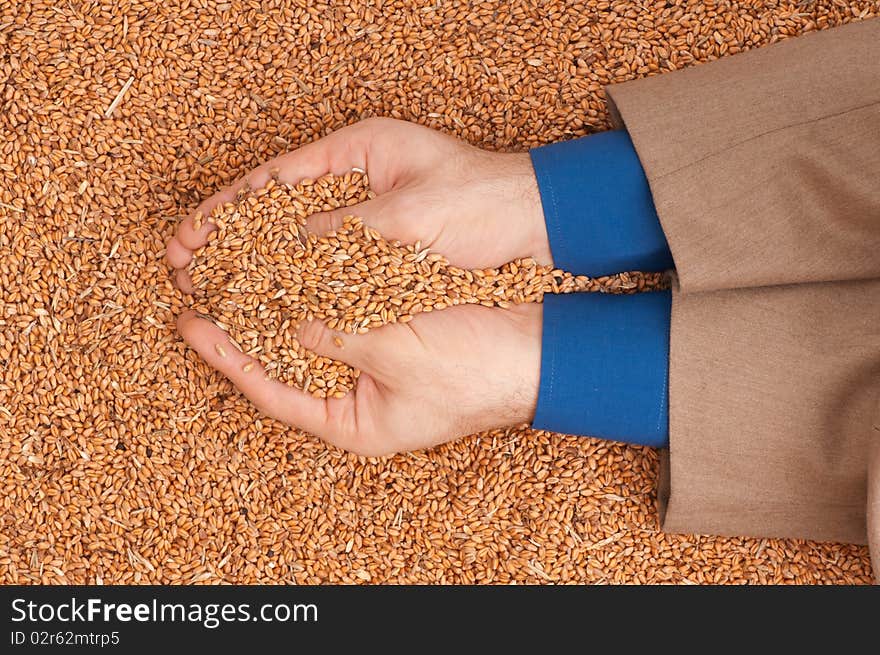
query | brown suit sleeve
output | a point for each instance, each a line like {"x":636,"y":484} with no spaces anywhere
{"x":765,"y":171}
{"x":772,"y":397}
{"x":765,"y":166}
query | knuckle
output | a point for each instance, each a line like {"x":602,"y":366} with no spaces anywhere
{"x":317,"y":223}
{"x":359,"y":440}
{"x":313,"y":335}
{"x":170,"y":247}
{"x":324,"y":222}
{"x":334,"y":218}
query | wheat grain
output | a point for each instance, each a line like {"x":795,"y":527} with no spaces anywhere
{"x":181,"y":471}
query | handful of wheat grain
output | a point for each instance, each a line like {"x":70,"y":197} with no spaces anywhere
{"x":262,"y":274}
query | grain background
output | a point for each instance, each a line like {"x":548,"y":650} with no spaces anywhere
{"x":124,"y":459}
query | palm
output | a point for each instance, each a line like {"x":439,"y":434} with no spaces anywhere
{"x":427,"y":383}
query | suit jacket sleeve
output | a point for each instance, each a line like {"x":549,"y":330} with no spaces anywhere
{"x":772,"y":398}
{"x":764,"y":166}
{"x":764,"y":169}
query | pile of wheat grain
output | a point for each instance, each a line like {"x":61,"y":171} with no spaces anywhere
{"x":123,"y":458}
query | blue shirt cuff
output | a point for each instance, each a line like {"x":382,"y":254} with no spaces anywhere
{"x":604,"y":366}
{"x":598,"y":206}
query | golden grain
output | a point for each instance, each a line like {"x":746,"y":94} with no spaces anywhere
{"x":125,"y":459}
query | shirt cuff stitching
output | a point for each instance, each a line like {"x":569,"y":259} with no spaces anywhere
{"x":664,"y":391}
{"x":557,"y":228}
{"x":552,"y":362}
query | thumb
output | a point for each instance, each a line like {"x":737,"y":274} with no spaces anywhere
{"x":371,"y":211}
{"x":391,"y":214}
{"x":361,"y":351}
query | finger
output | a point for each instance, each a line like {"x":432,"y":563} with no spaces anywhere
{"x":373,"y":213}
{"x":397,"y":216}
{"x":326,"y":418}
{"x":176,"y":254}
{"x":183,"y":280}
{"x":358,"y":350}
{"x":192,"y":233}
{"x":336,"y":153}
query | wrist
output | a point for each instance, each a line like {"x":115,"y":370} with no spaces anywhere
{"x":526,"y":376}
{"x":536,"y":243}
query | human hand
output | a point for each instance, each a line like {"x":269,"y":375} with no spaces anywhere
{"x":442,"y":375}
{"x":479,"y":209}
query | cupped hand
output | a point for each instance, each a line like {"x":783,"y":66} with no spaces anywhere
{"x":479,"y":209}
{"x":445,"y":374}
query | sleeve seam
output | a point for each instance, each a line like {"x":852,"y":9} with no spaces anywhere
{"x":783,"y":128}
